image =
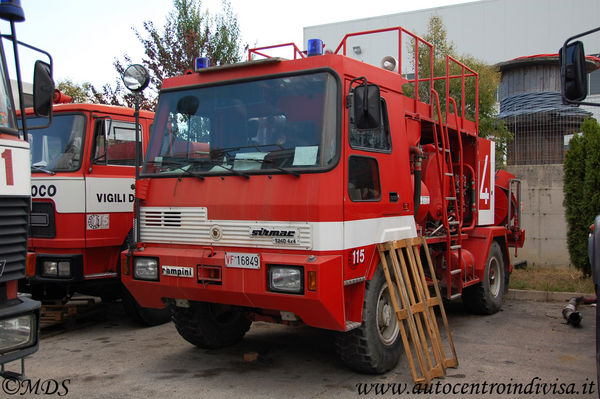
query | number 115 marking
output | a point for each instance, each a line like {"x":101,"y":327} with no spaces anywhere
{"x":8,"y":166}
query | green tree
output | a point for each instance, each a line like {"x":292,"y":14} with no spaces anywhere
{"x":188,"y":33}
{"x":581,"y":190}
{"x":489,"y":78}
{"x":84,"y":92}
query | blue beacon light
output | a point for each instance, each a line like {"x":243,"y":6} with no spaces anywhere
{"x":201,"y":63}
{"x":11,"y":10}
{"x":315,"y":47}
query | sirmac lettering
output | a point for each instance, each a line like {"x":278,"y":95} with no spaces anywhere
{"x":115,"y":197}
{"x":273,"y":233}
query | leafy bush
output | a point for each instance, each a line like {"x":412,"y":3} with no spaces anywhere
{"x":582,"y":191}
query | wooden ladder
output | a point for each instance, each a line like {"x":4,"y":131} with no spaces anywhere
{"x":415,"y":309}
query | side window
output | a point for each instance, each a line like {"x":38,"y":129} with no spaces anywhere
{"x":377,"y":140}
{"x":363,"y":179}
{"x":117,"y":146}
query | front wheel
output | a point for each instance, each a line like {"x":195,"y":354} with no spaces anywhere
{"x":375,"y":347}
{"x":144,"y":316}
{"x":487,"y":296}
{"x":211,"y":325}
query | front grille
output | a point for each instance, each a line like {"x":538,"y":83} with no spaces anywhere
{"x":14,"y":213}
{"x":191,"y":225}
{"x":42,"y":223}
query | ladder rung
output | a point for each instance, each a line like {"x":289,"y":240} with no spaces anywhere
{"x":448,"y":150}
{"x":456,"y":246}
{"x":449,"y":174}
{"x":453,"y":222}
{"x":450,"y":198}
{"x":455,"y":272}
{"x":455,"y":296}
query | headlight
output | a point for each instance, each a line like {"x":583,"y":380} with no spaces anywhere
{"x":53,"y":268}
{"x":289,"y":279}
{"x":64,"y":269}
{"x":145,"y":268}
{"x":49,"y":268}
{"x":17,"y":332}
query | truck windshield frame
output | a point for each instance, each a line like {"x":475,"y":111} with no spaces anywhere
{"x":8,"y":116}
{"x":58,"y":147}
{"x":278,"y":124}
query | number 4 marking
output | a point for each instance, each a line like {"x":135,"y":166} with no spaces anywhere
{"x":8,"y":167}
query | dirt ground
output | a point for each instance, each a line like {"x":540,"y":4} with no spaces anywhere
{"x":525,"y":351}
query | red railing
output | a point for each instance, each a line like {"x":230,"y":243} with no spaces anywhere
{"x":463,"y":77}
{"x":465,"y":72}
{"x":259,"y":51}
{"x":418,"y":40}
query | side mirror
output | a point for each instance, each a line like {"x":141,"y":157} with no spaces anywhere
{"x":367,"y":105}
{"x":43,"y":89}
{"x":573,"y":74}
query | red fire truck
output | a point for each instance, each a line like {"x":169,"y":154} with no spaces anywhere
{"x":267,"y":184}
{"x":83,"y":169}
{"x":19,"y":315}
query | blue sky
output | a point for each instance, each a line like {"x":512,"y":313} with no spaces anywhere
{"x":84,"y":36}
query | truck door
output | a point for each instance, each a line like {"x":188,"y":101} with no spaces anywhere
{"x":109,"y":194}
{"x":378,"y":193}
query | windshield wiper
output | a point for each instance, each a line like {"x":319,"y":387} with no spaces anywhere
{"x":270,"y":161}
{"x":179,"y":166}
{"x":220,"y":152}
{"x":41,"y":169}
{"x":230,"y":169}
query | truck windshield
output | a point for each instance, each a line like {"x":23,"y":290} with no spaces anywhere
{"x":279,"y":125}
{"x":59,"y":147}
{"x":7,"y":113}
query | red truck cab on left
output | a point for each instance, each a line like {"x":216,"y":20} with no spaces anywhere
{"x":82,"y":190}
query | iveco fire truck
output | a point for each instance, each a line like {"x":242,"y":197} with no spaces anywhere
{"x":19,"y":315}
{"x":267,"y":185}
{"x":83,"y":169}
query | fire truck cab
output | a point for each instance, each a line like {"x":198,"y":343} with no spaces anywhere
{"x":19,"y":314}
{"x":282,"y":179}
{"x":83,"y":169}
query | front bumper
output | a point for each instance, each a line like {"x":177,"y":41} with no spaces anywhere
{"x":16,"y":339}
{"x":205,"y":278}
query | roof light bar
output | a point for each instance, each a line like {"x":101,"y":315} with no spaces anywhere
{"x":315,"y":47}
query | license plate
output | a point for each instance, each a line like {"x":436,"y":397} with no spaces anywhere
{"x":241,"y":260}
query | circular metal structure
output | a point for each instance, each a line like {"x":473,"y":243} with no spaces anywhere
{"x":136,"y":77}
{"x":387,"y":322}
{"x":494,"y":277}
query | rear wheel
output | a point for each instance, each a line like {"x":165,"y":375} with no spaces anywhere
{"x":144,"y":316}
{"x":487,"y":296}
{"x":210,"y":325}
{"x":375,"y":347}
